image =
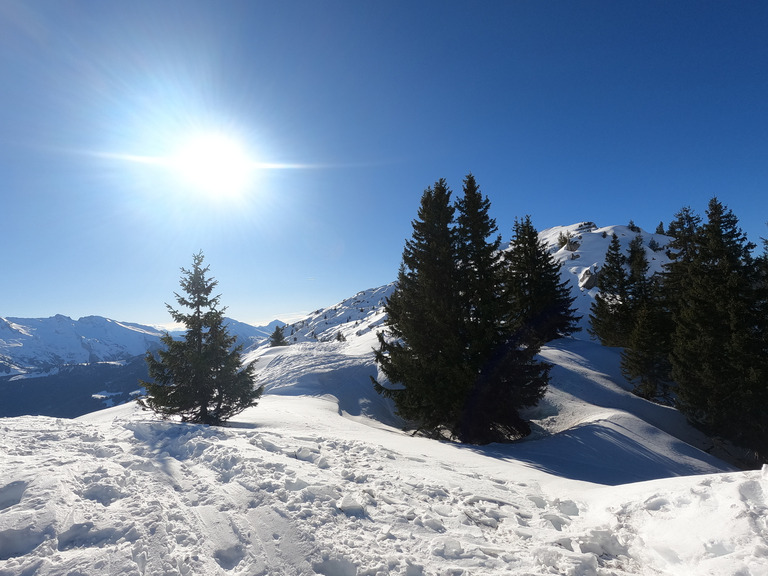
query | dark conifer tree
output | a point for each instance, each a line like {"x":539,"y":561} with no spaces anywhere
{"x":512,"y":378}
{"x":277,"y":338}
{"x":538,"y":302}
{"x":609,"y":317}
{"x":683,"y":230}
{"x":458,"y":372}
{"x":645,"y":360}
{"x":422,"y":349}
{"x":716,"y":338}
{"x":637,"y":280}
{"x":479,"y":273}
{"x":200,"y":377}
{"x":506,"y":374}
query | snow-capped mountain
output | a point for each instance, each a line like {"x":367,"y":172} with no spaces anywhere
{"x":63,"y":367}
{"x":35,"y":345}
{"x":43,"y":344}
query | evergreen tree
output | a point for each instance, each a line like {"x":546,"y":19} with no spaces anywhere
{"x":512,"y":378}
{"x":660,"y":228}
{"x":717,"y":331}
{"x":458,"y":371}
{"x":200,"y":377}
{"x":479,"y":273}
{"x":645,"y":360}
{"x":638,"y":285}
{"x":422,"y":349}
{"x":538,"y":302}
{"x":506,"y":374}
{"x":609,"y":317}
{"x":683,"y":230}
{"x":277,"y":338}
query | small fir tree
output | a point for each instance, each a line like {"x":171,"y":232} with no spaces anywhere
{"x":277,"y":338}
{"x":638,"y":288}
{"x":608,"y":314}
{"x":200,"y":377}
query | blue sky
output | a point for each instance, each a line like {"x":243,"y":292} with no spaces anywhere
{"x":567,"y":111}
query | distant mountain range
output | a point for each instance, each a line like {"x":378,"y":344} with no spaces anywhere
{"x":63,"y":367}
{"x":31,"y":346}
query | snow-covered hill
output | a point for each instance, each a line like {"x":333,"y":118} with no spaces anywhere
{"x":584,"y":255}
{"x":316,"y":480}
{"x":320,"y":479}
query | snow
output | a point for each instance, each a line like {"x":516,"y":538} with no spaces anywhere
{"x":319,"y":478}
{"x":32,"y":347}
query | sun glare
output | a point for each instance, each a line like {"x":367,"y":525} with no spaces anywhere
{"x":215,"y":164}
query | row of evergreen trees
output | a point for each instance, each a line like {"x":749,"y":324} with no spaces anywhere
{"x":698,"y":331}
{"x":466,"y":320}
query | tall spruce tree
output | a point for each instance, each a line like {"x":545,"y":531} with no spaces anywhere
{"x":479,"y":273}
{"x":717,"y":339}
{"x":645,"y":360}
{"x":609,"y":315}
{"x":421,"y":350}
{"x":199,"y":378}
{"x":538,"y":302}
{"x":506,"y":374}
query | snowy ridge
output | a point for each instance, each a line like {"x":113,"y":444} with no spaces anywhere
{"x":583,"y":257}
{"x":354,"y":316}
{"x":42,"y":345}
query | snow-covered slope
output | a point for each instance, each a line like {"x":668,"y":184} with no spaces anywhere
{"x":314,"y":480}
{"x":319,"y":478}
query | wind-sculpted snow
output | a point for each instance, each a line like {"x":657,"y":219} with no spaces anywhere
{"x":292,"y":487}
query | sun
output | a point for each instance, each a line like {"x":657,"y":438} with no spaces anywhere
{"x":214,"y":163}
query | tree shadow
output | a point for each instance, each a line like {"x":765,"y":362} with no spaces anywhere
{"x":598,"y":452}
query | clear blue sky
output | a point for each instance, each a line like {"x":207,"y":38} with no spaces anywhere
{"x":567,"y":111}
